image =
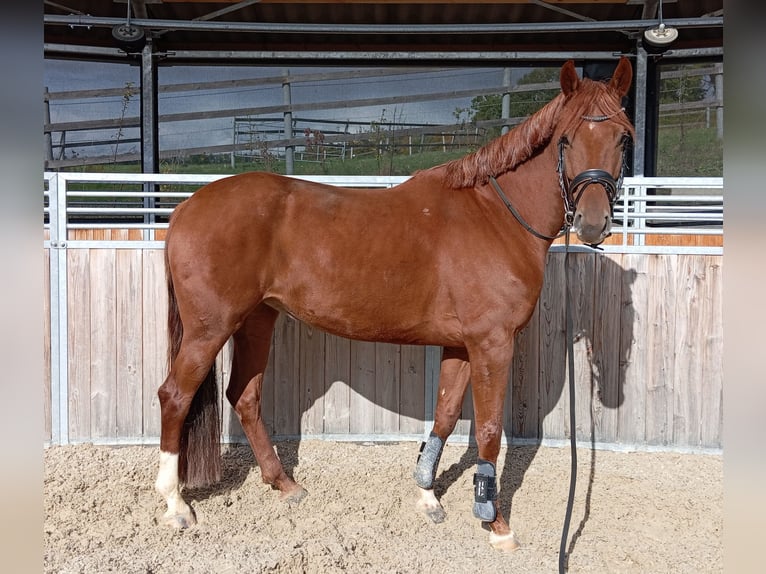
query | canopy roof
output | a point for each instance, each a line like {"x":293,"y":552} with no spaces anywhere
{"x":188,"y":29}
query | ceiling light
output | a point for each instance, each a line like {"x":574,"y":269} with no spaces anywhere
{"x":129,"y":38}
{"x":658,"y":40}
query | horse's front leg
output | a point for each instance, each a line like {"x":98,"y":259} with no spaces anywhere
{"x":490,"y":370}
{"x":453,"y":381}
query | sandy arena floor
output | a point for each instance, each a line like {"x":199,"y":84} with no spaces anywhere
{"x":634,"y":512}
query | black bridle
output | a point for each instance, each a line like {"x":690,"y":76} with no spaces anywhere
{"x":572,"y":190}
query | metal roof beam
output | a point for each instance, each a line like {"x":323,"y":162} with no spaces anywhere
{"x":228,"y":9}
{"x":298,"y":28}
{"x":52,"y":50}
{"x":564,"y":11}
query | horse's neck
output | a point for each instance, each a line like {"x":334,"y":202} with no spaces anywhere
{"x":533,"y":189}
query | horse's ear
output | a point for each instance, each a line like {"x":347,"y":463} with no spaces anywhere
{"x":622,"y":77}
{"x":569,"y":78}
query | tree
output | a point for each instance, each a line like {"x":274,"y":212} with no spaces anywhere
{"x":684,"y":86}
{"x":523,"y":103}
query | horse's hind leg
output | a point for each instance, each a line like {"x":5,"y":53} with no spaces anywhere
{"x":251,"y":353}
{"x":453,"y":381}
{"x":190,"y":368}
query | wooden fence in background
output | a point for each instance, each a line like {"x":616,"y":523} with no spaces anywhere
{"x":648,"y":361}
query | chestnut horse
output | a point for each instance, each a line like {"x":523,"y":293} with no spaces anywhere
{"x":437,"y":260}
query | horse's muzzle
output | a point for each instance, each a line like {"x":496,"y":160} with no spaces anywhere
{"x":591,"y":231}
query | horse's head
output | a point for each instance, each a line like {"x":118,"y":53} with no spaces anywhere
{"x":591,"y":147}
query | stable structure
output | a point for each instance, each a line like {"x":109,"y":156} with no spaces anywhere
{"x":648,"y":363}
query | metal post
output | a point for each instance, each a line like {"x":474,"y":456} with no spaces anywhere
{"x":719,"y":102}
{"x":640,"y":116}
{"x":149,"y":117}
{"x":506,"y":105}
{"x":57,"y":201}
{"x":47,"y":120}
{"x":233,"y":142}
{"x":289,"y":149}
{"x":150,"y":155}
{"x":651,"y":117}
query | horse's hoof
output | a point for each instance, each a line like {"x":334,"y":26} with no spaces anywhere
{"x":430,"y":506}
{"x":504,"y":542}
{"x":294,"y":496}
{"x":180,"y":521}
{"x":437,"y":515}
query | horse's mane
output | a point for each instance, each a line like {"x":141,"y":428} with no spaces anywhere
{"x":517,"y":146}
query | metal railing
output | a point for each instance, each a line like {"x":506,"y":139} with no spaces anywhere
{"x":651,"y":214}
{"x":668,"y":206}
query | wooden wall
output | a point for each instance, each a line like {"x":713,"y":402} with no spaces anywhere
{"x":648,"y":362}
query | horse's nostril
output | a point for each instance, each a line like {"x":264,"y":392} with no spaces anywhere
{"x":606,"y":231}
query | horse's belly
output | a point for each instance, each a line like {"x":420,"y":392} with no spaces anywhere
{"x":361,"y":320}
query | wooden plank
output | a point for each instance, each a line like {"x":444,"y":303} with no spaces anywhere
{"x":103,"y":340}
{"x":134,"y":121}
{"x":633,"y":379}
{"x":687,"y":410}
{"x":554,"y":405}
{"x":277,"y":80}
{"x":78,"y":337}
{"x":312,"y":381}
{"x":684,"y":240}
{"x":155,"y":337}
{"x":129,"y":327}
{"x":711,"y":353}
{"x":659,"y":361}
{"x":47,"y":399}
{"x":413,"y":388}
{"x":362,"y":415}
{"x":464,"y":426}
{"x":120,"y":234}
{"x":524,"y":408}
{"x":229,"y":419}
{"x":582,"y":287}
{"x":337,"y":410}
{"x":268,"y":409}
{"x":606,"y":344}
{"x":286,"y":377}
{"x":387,"y":380}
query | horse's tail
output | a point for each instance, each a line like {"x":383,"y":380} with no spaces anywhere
{"x":199,"y":461}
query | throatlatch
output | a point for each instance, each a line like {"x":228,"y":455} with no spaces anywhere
{"x":485,"y":492}
{"x":428,"y":460}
